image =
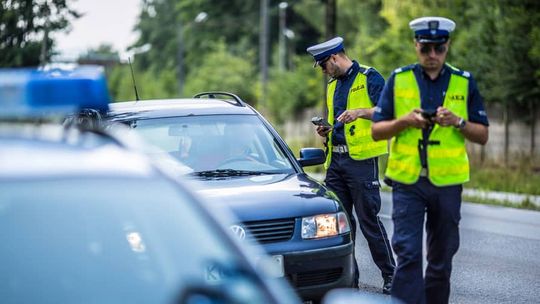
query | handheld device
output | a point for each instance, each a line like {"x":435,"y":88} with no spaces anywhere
{"x":319,"y":121}
{"x":429,"y":114}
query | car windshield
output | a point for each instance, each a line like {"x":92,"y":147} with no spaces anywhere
{"x":105,"y":240}
{"x":217,"y":142}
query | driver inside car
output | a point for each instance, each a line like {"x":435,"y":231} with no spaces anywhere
{"x":239,"y":144}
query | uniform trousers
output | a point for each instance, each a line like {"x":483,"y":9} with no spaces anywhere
{"x":440,"y":206}
{"x":356,"y":183}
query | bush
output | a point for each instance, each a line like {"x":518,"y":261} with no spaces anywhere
{"x":150,"y":85}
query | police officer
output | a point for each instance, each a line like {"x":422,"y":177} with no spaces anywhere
{"x":351,"y":162}
{"x":428,"y":109}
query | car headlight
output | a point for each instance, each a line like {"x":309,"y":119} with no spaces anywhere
{"x":325,"y":225}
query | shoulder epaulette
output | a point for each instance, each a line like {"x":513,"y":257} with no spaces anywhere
{"x":364,"y":69}
{"x":466,"y":74}
{"x":457,"y":71}
{"x":404,"y":68}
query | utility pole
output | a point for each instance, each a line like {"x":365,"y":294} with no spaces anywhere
{"x":282,"y":38}
{"x":263,"y":49}
{"x":331,"y":13}
{"x":201,"y":17}
{"x":44,"y":44}
{"x":180,"y":59}
{"x":330,"y":32}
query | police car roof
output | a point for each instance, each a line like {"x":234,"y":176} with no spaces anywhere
{"x":176,"y":107}
{"x":47,"y":152}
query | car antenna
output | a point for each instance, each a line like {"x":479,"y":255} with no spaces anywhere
{"x":133,"y":79}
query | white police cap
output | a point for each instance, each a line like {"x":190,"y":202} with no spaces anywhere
{"x":432,"y":29}
{"x":322,"y":50}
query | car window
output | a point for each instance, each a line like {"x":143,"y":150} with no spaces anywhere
{"x":106,"y":240}
{"x":238,"y":142}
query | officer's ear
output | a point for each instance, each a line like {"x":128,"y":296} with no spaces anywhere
{"x":336,"y":57}
{"x":416,"y":44}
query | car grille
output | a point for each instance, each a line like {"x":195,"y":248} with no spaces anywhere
{"x":269,"y":231}
{"x":319,"y":277}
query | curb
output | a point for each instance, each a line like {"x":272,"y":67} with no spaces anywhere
{"x":512,"y":198}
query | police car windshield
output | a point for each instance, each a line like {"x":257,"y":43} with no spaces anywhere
{"x":104,"y":240}
{"x":217,"y":142}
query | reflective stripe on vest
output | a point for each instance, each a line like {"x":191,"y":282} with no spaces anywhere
{"x":447,"y":161}
{"x":360,"y":143}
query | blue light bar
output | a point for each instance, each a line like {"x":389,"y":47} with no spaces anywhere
{"x":46,"y":91}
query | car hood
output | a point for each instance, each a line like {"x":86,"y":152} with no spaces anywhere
{"x":265,"y":197}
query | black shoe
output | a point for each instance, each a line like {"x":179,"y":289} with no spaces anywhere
{"x":387,"y":285}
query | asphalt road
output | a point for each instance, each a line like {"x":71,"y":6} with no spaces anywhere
{"x":498,"y":260}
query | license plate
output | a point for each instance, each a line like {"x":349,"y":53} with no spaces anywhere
{"x":272,"y":265}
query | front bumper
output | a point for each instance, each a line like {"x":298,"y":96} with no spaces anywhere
{"x":314,"y":272}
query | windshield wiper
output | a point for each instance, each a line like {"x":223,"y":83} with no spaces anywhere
{"x":227,"y":173}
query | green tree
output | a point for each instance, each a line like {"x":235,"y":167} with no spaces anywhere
{"x":157,"y":26}
{"x":224,"y":71}
{"x":235,"y":22}
{"x":290,"y":92}
{"x":496,"y":40}
{"x":25,"y":26}
{"x":167,"y":24}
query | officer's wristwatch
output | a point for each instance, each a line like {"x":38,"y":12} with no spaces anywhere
{"x":461,"y":124}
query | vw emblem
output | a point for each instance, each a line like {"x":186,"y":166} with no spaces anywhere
{"x":239,"y":231}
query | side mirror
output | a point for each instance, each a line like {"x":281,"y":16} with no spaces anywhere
{"x":311,"y":157}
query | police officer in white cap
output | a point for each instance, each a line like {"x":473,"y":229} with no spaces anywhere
{"x":352,"y":155}
{"x":428,"y":109}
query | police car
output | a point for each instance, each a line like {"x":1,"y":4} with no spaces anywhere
{"x":86,"y":219}
{"x":242,"y":163}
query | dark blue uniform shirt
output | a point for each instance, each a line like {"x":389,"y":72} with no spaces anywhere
{"x":431,"y":97}
{"x":375,"y":84}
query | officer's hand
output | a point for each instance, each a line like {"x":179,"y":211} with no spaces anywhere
{"x":445,"y":117}
{"x":350,"y":115}
{"x":415,"y":119}
{"x":323,"y":131}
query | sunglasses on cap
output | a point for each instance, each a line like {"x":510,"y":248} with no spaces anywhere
{"x":438,"y":48}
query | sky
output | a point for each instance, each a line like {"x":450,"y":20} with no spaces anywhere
{"x":104,"y":21}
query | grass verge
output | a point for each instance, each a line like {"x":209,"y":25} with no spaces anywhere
{"x":522,"y":176}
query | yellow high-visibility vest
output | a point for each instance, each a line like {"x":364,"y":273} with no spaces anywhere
{"x":447,"y":159}
{"x":360,"y":143}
